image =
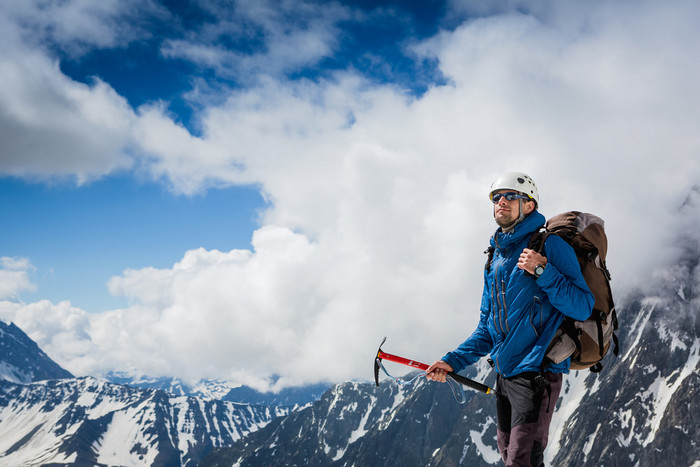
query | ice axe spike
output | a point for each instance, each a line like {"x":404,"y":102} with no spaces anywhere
{"x":381,"y":355}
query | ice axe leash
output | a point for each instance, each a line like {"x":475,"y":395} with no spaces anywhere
{"x":381,"y":355}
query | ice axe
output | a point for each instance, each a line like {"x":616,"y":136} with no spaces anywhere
{"x":381,"y":355}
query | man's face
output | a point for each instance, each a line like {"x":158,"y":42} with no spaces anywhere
{"x":507,"y":212}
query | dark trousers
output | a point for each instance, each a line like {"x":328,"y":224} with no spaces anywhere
{"x":524,"y":414}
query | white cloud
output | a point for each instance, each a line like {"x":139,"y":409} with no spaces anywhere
{"x":79,"y":26}
{"x":279,"y":37}
{"x":379,"y":212}
{"x":52,"y":126}
{"x":14,"y":277}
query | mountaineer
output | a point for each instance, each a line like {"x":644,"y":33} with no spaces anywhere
{"x":525,"y":299}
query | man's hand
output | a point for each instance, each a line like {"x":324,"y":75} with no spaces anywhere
{"x":438,"y":371}
{"x":530,"y":259}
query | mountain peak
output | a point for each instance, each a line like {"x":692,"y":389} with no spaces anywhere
{"x":21,"y":359}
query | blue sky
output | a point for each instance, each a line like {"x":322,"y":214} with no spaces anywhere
{"x":229,"y":189}
{"x":79,"y":236}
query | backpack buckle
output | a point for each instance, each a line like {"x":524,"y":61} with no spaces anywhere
{"x":539,"y":383}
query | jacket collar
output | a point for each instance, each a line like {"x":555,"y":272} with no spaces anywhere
{"x":534,"y":221}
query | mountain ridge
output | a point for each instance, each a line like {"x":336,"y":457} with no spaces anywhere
{"x":86,"y":421}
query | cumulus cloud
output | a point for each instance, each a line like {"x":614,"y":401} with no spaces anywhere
{"x":378,"y":211}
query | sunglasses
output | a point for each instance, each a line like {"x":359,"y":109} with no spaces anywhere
{"x":510,"y":196}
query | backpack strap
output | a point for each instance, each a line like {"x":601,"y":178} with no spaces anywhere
{"x":601,"y":343}
{"x":537,"y":240}
{"x":535,"y":243}
{"x":489,"y":259}
{"x":613,"y":315}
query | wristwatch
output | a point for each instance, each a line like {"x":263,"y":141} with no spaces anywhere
{"x":539,"y":269}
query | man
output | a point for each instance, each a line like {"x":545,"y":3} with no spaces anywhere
{"x":525,"y":298}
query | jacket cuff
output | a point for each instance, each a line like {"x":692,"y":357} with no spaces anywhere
{"x":546,"y":276}
{"x":453,"y":362}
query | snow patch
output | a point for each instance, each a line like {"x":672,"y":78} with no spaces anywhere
{"x":13,"y":374}
{"x":640,"y":323}
{"x":573,"y":390}
{"x":665,"y":335}
{"x":588,"y":445}
{"x":121,"y":433}
{"x":490,"y":455}
{"x":662,"y":390}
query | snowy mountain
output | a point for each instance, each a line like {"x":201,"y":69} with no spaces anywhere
{"x":225,"y":390}
{"x":645,"y":408}
{"x":49,"y":417}
{"x":22,"y":361}
{"x":360,"y":424}
{"x":173,"y":386}
{"x":89,"y":422}
{"x":287,"y":397}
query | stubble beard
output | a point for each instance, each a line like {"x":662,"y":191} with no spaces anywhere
{"x":505,"y":224}
{"x":505,"y":220}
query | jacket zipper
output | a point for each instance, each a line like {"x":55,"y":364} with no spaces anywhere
{"x":499,"y":293}
{"x":498,"y":367}
{"x":494,"y":306}
{"x":495,"y":299}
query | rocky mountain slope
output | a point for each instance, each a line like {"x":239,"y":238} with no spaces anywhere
{"x":360,"y":424}
{"x":89,"y":422}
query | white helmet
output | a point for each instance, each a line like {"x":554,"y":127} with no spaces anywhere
{"x":517,"y":181}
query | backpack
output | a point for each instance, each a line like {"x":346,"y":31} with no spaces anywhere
{"x":586,"y":342}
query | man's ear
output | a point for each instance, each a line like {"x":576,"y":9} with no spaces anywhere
{"x":528,"y":207}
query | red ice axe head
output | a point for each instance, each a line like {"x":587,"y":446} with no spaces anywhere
{"x":381,"y":355}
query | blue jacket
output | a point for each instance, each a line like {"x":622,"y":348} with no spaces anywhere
{"x":520,"y":314}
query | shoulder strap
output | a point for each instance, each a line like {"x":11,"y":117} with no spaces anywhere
{"x":489,"y":251}
{"x":537,"y":240}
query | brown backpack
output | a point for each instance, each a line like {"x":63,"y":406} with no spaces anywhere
{"x":586,"y":342}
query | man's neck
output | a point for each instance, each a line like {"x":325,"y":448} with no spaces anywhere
{"x":510,"y":227}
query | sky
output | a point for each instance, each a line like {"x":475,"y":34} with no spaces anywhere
{"x":260,"y":191}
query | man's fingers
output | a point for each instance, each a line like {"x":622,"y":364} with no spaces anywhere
{"x":438,"y":371}
{"x":438,"y":375}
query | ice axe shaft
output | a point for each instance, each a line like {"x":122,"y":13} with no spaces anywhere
{"x":381,"y":355}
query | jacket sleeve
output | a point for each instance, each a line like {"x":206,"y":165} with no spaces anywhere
{"x":563,"y":282}
{"x":478,"y":344}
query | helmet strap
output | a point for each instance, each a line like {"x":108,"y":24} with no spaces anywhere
{"x":517,"y":221}
{"x":521,"y":217}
